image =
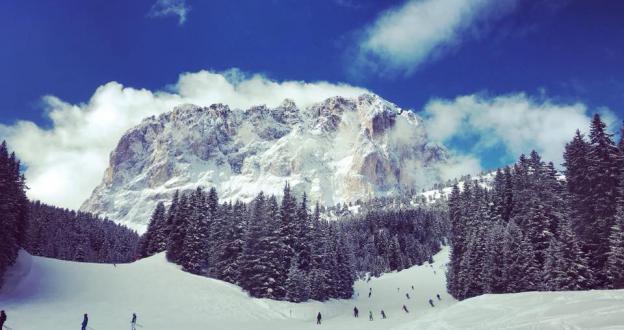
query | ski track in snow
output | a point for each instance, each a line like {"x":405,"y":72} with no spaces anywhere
{"x":41,"y":293}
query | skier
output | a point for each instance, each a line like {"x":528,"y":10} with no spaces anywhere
{"x":407,"y":295}
{"x":369,"y":293}
{"x":431,"y":303}
{"x":85,"y":321}
{"x":356,"y":312}
{"x":133,"y":322}
{"x":318,"y":318}
{"x":383,"y":314}
{"x":3,"y":318}
{"x":370,"y":315}
{"x":438,"y":295}
{"x":405,"y":309}
{"x":412,"y":288}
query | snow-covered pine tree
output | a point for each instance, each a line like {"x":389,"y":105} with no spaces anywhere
{"x":297,"y":284}
{"x":158,"y":239}
{"x":577,"y":183}
{"x":566,"y":266}
{"x":178,"y":229}
{"x":148,"y":243}
{"x":288,"y":228}
{"x":521,"y":271}
{"x":260,"y":264}
{"x":456,"y":239}
{"x":615,"y":256}
{"x":13,"y":209}
{"x":195,"y":250}
{"x":604,"y":174}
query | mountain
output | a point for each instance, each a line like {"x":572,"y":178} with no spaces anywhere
{"x":338,"y":150}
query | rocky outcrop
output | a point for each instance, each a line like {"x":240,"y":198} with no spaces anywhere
{"x":336,"y":151}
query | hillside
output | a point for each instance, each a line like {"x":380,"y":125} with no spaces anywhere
{"x":50,"y":294}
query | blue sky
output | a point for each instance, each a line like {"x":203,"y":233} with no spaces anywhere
{"x":481,"y":60}
{"x":66,"y":48}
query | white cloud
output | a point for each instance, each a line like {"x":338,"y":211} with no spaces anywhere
{"x":404,"y":37}
{"x":66,"y":161}
{"x":459,"y":165}
{"x":164,"y":8}
{"x":515,"y":122}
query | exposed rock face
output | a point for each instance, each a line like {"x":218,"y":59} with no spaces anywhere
{"x":336,"y":151}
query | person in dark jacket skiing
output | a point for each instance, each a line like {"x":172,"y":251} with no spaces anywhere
{"x":356,"y":312}
{"x":85,"y":321}
{"x":370,"y":315}
{"x":3,"y":319}
{"x":318,"y":318}
{"x":383,"y":314}
{"x":431,"y":303}
{"x":405,"y":309}
{"x":133,"y":322}
{"x":407,"y":295}
{"x":438,"y":295}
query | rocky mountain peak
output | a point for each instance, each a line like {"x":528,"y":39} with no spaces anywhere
{"x":337,"y":150}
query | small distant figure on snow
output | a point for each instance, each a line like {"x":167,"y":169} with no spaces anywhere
{"x":356,"y":312}
{"x":431,"y":303}
{"x":438,"y":295}
{"x":407,"y":295}
{"x":412,"y":288}
{"x":85,"y":321}
{"x":369,"y":293}
{"x":398,"y":289}
{"x":405,"y":309}
{"x":318,"y":318}
{"x":133,"y":322}
{"x":3,"y":318}
{"x":370,"y":315}
{"x":383,"y":314}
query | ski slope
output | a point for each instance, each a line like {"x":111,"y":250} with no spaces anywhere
{"x":42,"y":293}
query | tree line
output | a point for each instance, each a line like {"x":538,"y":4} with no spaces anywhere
{"x":53,"y":232}
{"x":282,"y":250}
{"x":77,"y":236}
{"x":535,"y":230}
{"x":13,"y":208}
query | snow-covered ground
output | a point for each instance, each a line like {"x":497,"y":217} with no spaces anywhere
{"x":49,"y":294}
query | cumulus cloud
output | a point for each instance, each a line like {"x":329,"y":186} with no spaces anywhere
{"x":164,"y":8}
{"x":516,"y":123}
{"x":66,"y":161}
{"x":405,"y":36}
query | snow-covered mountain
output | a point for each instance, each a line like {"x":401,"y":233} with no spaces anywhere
{"x":338,"y":150}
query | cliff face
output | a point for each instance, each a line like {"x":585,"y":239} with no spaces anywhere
{"x":337,"y":150}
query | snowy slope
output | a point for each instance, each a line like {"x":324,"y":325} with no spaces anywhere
{"x":54,"y":294}
{"x":43,"y":293}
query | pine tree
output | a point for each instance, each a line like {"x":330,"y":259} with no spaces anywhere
{"x":195,"y":250}
{"x":604,"y":175}
{"x":566,"y":267}
{"x":297,"y":285}
{"x":178,"y":229}
{"x":158,"y":239}
{"x":13,"y":209}
{"x":520,"y":272}
{"x":577,"y":182}
{"x":148,"y":244}
{"x":260,"y":262}
{"x":615,"y":256}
